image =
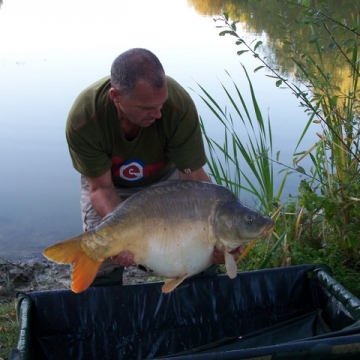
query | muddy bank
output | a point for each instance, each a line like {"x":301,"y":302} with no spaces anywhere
{"x":37,"y":275}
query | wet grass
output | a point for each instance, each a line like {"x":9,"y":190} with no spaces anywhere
{"x":9,"y":328}
{"x":8,"y":322}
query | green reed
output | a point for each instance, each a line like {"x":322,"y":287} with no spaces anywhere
{"x":242,"y":163}
{"x":329,"y":196}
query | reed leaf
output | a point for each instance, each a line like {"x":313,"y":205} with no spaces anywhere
{"x":226,"y":159}
{"x":268,"y":258}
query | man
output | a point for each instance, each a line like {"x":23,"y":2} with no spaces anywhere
{"x":133,"y":129}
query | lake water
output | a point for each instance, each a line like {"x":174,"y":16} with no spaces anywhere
{"x":51,"y":50}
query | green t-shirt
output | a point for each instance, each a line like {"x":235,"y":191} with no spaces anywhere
{"x":97,"y":143}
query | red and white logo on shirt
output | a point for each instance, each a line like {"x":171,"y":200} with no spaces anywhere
{"x":134,"y":169}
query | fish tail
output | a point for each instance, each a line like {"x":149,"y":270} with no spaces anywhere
{"x":71,"y":252}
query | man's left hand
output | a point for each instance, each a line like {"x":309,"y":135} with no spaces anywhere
{"x":218,"y":256}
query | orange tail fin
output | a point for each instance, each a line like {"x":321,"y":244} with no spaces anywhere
{"x":71,"y":252}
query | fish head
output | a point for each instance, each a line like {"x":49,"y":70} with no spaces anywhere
{"x":236,"y":224}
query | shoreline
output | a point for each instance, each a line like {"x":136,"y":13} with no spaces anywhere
{"x":41,"y":275}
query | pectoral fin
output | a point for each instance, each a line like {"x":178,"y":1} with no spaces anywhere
{"x":230,"y":265}
{"x":171,"y":284}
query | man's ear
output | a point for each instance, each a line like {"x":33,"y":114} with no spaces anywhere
{"x":114,"y":94}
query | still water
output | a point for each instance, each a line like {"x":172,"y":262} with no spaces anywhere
{"x":51,"y":50}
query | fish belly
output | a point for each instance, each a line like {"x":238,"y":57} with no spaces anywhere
{"x":177,"y":253}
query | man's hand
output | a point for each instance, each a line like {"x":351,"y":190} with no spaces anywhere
{"x":125,"y":258}
{"x":103,"y":195}
{"x":218,"y":256}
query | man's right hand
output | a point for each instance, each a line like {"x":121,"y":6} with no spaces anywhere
{"x":125,"y":258}
{"x":103,"y":195}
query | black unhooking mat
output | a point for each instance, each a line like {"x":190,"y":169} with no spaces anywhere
{"x":297,"y":312}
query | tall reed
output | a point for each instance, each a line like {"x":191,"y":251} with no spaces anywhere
{"x":333,"y":191}
{"x":243,"y":163}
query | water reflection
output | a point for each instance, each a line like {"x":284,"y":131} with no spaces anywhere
{"x":271,"y":19}
{"x":50,"y":51}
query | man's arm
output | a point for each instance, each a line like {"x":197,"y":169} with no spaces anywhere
{"x":197,"y":175}
{"x":103,"y":195}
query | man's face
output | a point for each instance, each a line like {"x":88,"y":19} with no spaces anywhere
{"x":143,"y":105}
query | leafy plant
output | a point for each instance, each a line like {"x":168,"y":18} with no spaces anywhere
{"x":331,"y":194}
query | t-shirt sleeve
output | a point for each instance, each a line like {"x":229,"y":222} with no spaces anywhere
{"x":84,"y":144}
{"x":86,"y":159}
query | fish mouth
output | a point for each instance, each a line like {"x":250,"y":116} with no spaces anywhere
{"x":268,"y":230}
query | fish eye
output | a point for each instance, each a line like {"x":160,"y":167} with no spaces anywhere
{"x":249,"y":220}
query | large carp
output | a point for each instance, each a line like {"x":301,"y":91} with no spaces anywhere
{"x":171,"y":229}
